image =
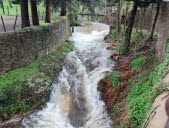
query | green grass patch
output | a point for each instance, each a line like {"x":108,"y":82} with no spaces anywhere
{"x":16,"y":95}
{"x":118,"y":38}
{"x":16,"y":9}
{"x":115,"y":77}
{"x":18,"y":74}
{"x":22,"y":73}
{"x":139,"y":99}
{"x":138,"y":61}
{"x":145,"y":87}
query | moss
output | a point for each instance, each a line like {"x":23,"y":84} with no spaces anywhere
{"x":16,"y":94}
{"x":18,"y":74}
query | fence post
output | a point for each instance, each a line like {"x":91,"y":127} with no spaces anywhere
{"x":15,"y":22}
{"x":39,"y":13}
{"x":8,"y":10}
{"x":3,"y":24}
{"x":42,"y":14}
{"x":16,"y":11}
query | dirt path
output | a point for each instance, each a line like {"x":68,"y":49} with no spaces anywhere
{"x":9,"y":23}
{"x":159,"y":117}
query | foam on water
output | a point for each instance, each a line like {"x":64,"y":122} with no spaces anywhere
{"x":75,"y":101}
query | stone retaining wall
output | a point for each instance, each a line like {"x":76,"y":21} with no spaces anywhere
{"x":163,"y":31}
{"x":20,"y":48}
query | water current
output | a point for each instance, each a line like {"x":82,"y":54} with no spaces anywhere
{"x":75,"y":101}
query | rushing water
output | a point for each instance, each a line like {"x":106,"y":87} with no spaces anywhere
{"x":75,"y":101}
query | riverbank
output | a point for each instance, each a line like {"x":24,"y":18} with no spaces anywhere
{"x":136,"y":81}
{"x":28,"y":89}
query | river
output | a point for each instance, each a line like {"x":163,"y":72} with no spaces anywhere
{"x":75,"y":101}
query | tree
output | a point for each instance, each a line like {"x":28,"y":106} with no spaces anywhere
{"x":130,"y":27}
{"x":2,"y":5}
{"x":118,"y":16}
{"x":142,"y":15}
{"x":10,"y":4}
{"x":63,"y":8}
{"x":47,"y":18}
{"x":127,"y":5}
{"x":155,"y":19}
{"x":136,"y":4}
{"x":35,"y":18}
{"x":24,"y":13}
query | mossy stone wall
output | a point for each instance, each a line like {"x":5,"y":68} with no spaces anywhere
{"x":20,"y":48}
{"x":163,"y":31}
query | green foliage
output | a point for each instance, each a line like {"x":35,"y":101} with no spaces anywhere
{"x":73,"y":18}
{"x":16,"y":96}
{"x":138,"y":61}
{"x":139,"y":100}
{"x":115,"y":77}
{"x":138,"y":36}
{"x":18,"y":74}
{"x":123,"y":126}
{"x":12,"y":11}
{"x":145,"y":88}
{"x":117,"y":39}
{"x":11,"y":100}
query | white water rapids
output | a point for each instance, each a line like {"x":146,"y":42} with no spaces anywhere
{"x":74,"y":100}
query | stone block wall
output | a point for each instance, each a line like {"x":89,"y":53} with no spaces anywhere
{"x":147,"y":20}
{"x":20,"y":48}
{"x":163,"y":31}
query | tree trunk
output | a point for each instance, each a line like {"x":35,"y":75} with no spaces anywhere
{"x":130,"y":28}
{"x":155,"y":20}
{"x":10,"y":4}
{"x":63,"y":9}
{"x":142,"y":16}
{"x":126,"y":15}
{"x":24,"y":13}
{"x":2,"y":6}
{"x":118,"y":16}
{"x":47,"y":18}
{"x":35,"y":18}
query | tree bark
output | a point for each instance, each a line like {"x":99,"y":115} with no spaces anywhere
{"x":47,"y":18}
{"x":35,"y":18}
{"x":24,"y":13}
{"x":155,"y":20}
{"x":142,"y":15}
{"x":130,"y":28}
{"x":126,"y":14}
{"x":118,"y":16}
{"x":63,"y":9}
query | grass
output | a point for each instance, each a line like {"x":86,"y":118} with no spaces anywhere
{"x":118,"y":38}
{"x":18,"y":74}
{"x":137,"y":62}
{"x":16,"y":96}
{"x":139,"y":99}
{"x":22,"y":73}
{"x":146,"y":86}
{"x":16,"y":9}
{"x":115,"y":77}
